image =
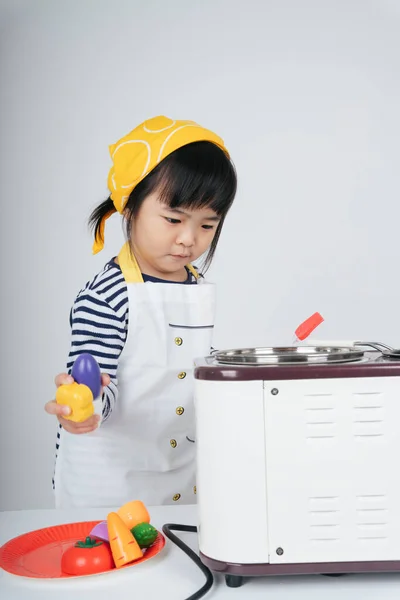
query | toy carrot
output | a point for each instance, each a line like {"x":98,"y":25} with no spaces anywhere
{"x":124,"y":547}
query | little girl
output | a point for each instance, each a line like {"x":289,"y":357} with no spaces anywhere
{"x":145,"y":318}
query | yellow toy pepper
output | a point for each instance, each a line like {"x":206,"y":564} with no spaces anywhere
{"x":79,"y":398}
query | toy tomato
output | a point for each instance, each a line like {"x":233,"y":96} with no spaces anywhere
{"x":87,"y":557}
{"x":79,"y":398}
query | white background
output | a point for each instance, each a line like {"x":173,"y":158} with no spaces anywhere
{"x":306,"y":95}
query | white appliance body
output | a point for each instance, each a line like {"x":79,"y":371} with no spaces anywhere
{"x":298,"y":472}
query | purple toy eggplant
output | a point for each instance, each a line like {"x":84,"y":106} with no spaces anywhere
{"x":87,"y":371}
{"x":100,"y":531}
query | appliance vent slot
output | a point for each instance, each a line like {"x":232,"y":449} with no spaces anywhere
{"x":320,"y":418}
{"x":372,"y":517}
{"x":324,"y":515}
{"x":368,"y":416}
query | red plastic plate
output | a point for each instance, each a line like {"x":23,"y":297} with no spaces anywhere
{"x":38,"y":553}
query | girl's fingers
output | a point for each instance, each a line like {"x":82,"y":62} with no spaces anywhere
{"x":105,"y":380}
{"x":63,"y":378}
{"x":84,"y":427}
{"x":90,"y":424}
{"x":52,"y":408}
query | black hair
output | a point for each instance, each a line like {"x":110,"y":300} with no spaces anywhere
{"x":197,"y":175}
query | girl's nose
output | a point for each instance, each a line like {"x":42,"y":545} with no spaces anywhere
{"x":186,"y":237}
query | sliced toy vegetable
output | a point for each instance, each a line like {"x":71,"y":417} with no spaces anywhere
{"x":100,"y":531}
{"x":145,"y":534}
{"x":124,"y":547}
{"x":133,"y":513}
{"x":87,"y":557}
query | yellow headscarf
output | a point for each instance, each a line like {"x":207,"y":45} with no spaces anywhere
{"x":136,"y":154}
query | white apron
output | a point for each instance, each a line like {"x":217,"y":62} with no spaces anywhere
{"x":146,"y":449}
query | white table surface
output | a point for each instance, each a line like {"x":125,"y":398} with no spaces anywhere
{"x":172,"y":575}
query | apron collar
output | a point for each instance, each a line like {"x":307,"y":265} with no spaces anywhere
{"x":130,"y":268}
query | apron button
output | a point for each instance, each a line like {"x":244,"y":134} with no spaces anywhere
{"x":180,"y":410}
{"x":178,"y":341}
{"x":182,"y":375}
{"x":195,"y":490}
{"x":176,"y":497}
{"x":173,"y":443}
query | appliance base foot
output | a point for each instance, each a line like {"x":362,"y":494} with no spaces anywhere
{"x":233,"y":581}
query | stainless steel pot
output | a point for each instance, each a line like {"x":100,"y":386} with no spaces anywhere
{"x":289,"y":355}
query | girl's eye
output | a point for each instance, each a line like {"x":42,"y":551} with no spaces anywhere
{"x":173,"y":221}
{"x":208,"y":226}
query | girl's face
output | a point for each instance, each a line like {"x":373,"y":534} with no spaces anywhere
{"x":164,"y":240}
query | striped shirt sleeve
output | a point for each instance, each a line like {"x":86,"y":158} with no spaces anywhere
{"x":99,"y":324}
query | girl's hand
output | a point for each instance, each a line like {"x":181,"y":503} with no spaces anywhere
{"x":52,"y":408}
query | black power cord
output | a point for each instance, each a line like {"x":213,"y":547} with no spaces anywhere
{"x":167,"y":530}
